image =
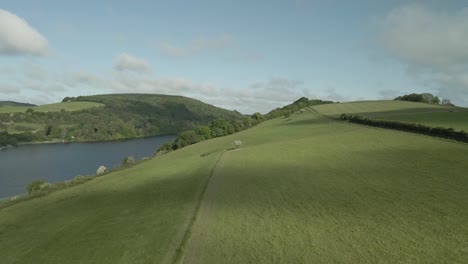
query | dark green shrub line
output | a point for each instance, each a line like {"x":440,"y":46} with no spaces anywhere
{"x":441,"y":132}
{"x":7,"y":139}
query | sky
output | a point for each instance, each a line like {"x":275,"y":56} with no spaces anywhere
{"x":249,"y":56}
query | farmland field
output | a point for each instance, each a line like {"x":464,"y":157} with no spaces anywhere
{"x":69,"y":106}
{"x":456,"y":119}
{"x":300,"y":190}
{"x":320,"y":191}
{"x":360,"y":107}
{"x":410,"y":112}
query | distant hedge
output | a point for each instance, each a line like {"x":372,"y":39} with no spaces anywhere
{"x":13,"y":139}
{"x":449,"y":133}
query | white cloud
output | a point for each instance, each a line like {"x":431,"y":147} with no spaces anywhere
{"x":35,"y":72}
{"x":130,"y":83}
{"x":76,"y":79}
{"x":433,"y":44}
{"x":261,"y":96}
{"x":17,"y":37}
{"x":126,"y":62}
{"x":277,"y":84}
{"x":196,"y":46}
{"x":332,"y":95}
{"x":425,"y":37}
{"x":168,"y":49}
{"x":389,"y":94}
{"x":8,"y":89}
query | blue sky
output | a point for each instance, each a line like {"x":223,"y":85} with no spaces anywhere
{"x":244,"y":55}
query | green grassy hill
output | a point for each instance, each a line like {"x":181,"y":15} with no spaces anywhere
{"x":372,"y":107}
{"x":12,"y":103}
{"x":302,"y":189}
{"x":410,"y":112}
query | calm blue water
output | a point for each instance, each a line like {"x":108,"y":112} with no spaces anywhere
{"x":59,"y":162}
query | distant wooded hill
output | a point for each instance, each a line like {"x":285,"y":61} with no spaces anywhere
{"x":11,"y":103}
{"x":122,"y":116}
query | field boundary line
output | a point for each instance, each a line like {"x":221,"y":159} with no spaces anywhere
{"x":336,"y":119}
{"x":180,"y":251}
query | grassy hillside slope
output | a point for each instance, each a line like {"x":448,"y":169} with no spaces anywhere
{"x":300,"y":190}
{"x":136,"y":215}
{"x":12,"y":103}
{"x":456,"y":118}
{"x":360,"y":107}
{"x":311,"y":190}
{"x":410,"y":112}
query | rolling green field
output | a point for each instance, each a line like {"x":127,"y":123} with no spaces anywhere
{"x":57,"y":107}
{"x":311,"y":190}
{"x":404,"y":111}
{"x":300,"y":190}
{"x":361,"y":107}
{"x":457,"y":119}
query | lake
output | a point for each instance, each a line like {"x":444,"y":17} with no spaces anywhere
{"x":60,"y":162}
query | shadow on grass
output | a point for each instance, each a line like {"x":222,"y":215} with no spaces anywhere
{"x":122,"y":214}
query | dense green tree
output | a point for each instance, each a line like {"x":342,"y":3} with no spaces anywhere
{"x":220,"y":127}
{"x":446,"y":102}
{"x":204,"y":132}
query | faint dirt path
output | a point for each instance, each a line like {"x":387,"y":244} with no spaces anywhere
{"x":201,"y":225}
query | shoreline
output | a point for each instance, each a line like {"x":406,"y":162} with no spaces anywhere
{"x":84,"y":141}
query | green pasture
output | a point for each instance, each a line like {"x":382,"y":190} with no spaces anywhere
{"x":137,"y":215}
{"x":68,"y":106}
{"x":456,"y":118}
{"x":404,"y":111}
{"x":299,"y":190}
{"x":311,"y":190}
{"x":360,"y":107}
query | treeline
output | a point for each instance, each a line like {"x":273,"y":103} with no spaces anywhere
{"x":221,"y":127}
{"x":216,"y":128}
{"x":7,"y":139}
{"x":424,"y":98}
{"x":449,"y":133}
